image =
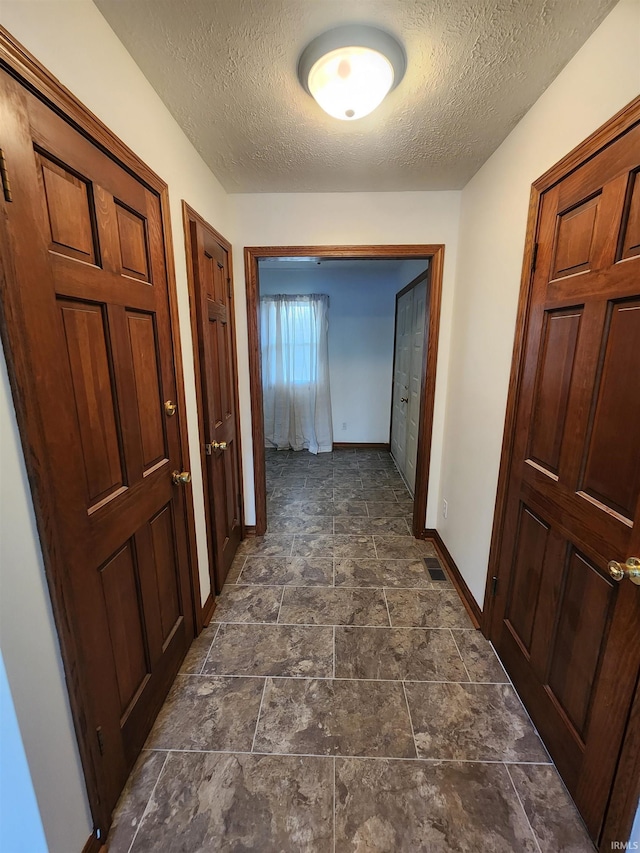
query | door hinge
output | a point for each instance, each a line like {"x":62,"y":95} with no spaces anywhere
{"x":534,"y":257}
{"x":494,"y":585}
{"x":4,"y":174}
{"x":229,"y":288}
{"x":100,"y":737}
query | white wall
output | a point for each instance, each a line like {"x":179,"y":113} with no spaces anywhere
{"x":72,"y":39}
{"x":362,"y":299}
{"x":20,"y":824}
{"x":303,"y":219}
{"x":602,"y":77}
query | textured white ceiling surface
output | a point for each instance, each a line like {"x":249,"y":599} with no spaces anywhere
{"x":226,"y":69}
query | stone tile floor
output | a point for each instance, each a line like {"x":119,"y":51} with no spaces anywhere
{"x":341,"y":699}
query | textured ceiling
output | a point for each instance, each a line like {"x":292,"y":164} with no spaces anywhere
{"x":226,"y":69}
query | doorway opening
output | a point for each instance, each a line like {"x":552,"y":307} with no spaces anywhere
{"x":429,"y":261}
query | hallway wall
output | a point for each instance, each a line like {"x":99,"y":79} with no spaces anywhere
{"x":72,"y":39}
{"x":315,"y":219}
{"x":362,"y":301}
{"x":601,"y":78}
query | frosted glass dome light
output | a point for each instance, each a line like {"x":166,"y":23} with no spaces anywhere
{"x":350,"y":70}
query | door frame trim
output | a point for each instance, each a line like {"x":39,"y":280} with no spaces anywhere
{"x":30,"y":73}
{"x":189,"y":215}
{"x":621,"y":122}
{"x":434,"y":253}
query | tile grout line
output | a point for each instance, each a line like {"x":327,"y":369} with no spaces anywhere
{"x":526,"y":816}
{"x":471,"y":681}
{"x":237,"y":581}
{"x":223,"y":675}
{"x":264,"y":690}
{"x":206,"y":658}
{"x":334,"y":651}
{"x":387,"y":606}
{"x":277,"y":622}
{"x":146,"y":808}
{"x":356,"y":627}
{"x":334,"y":804}
{"x":413,"y":734}
{"x":492,"y":761}
{"x":328,"y":585}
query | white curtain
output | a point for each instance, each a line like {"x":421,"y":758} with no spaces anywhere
{"x":295,"y":372}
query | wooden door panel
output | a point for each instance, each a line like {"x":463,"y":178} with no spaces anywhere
{"x":224,"y":359}
{"x":215,"y":334}
{"x":526,"y":576}
{"x":579,"y":643}
{"x":629,"y":244}
{"x":611,"y":460}
{"x":134,"y":243}
{"x":70,"y":210}
{"x":91,"y":371}
{"x":124,"y":612}
{"x":166,"y":564}
{"x":575,"y":230}
{"x":147,"y":378}
{"x":552,"y":387}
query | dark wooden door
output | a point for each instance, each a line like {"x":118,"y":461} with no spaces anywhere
{"x":566,"y":630}
{"x":86,"y":318}
{"x":218,"y":377}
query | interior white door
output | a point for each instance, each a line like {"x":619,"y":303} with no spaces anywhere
{"x":415,"y":382}
{"x":407,"y":380}
{"x":401,"y":368}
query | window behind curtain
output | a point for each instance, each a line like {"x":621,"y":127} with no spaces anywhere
{"x":295,"y":372}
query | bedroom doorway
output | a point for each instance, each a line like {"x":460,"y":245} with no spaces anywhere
{"x":431,"y":256}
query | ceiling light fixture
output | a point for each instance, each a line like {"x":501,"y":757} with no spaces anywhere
{"x":350,"y":70}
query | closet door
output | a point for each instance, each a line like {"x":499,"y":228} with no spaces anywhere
{"x":401,"y":373}
{"x":407,"y":379}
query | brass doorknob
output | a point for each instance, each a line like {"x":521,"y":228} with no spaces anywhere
{"x":170,"y":408}
{"x":181,"y":477}
{"x":219,"y":445}
{"x":630,"y":569}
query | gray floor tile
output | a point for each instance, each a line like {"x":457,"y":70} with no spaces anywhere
{"x":269,"y":545}
{"x":248,"y":604}
{"x":551,"y":812}
{"x":379,"y":573}
{"x":482,"y":722}
{"x":327,"y":606}
{"x":406,"y":807}
{"x":199,"y":650}
{"x":313,"y":545}
{"x":302,"y":523}
{"x":301,"y":571}
{"x":427,"y":609}
{"x":479,"y":657}
{"x":397,"y":653}
{"x":133,"y":800}
{"x":402,"y":548}
{"x":313,"y":717}
{"x":291,"y":650}
{"x":224,"y":803}
{"x":348,"y":545}
{"x":208,"y":713}
{"x":386,"y":509}
{"x":363,"y":524}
